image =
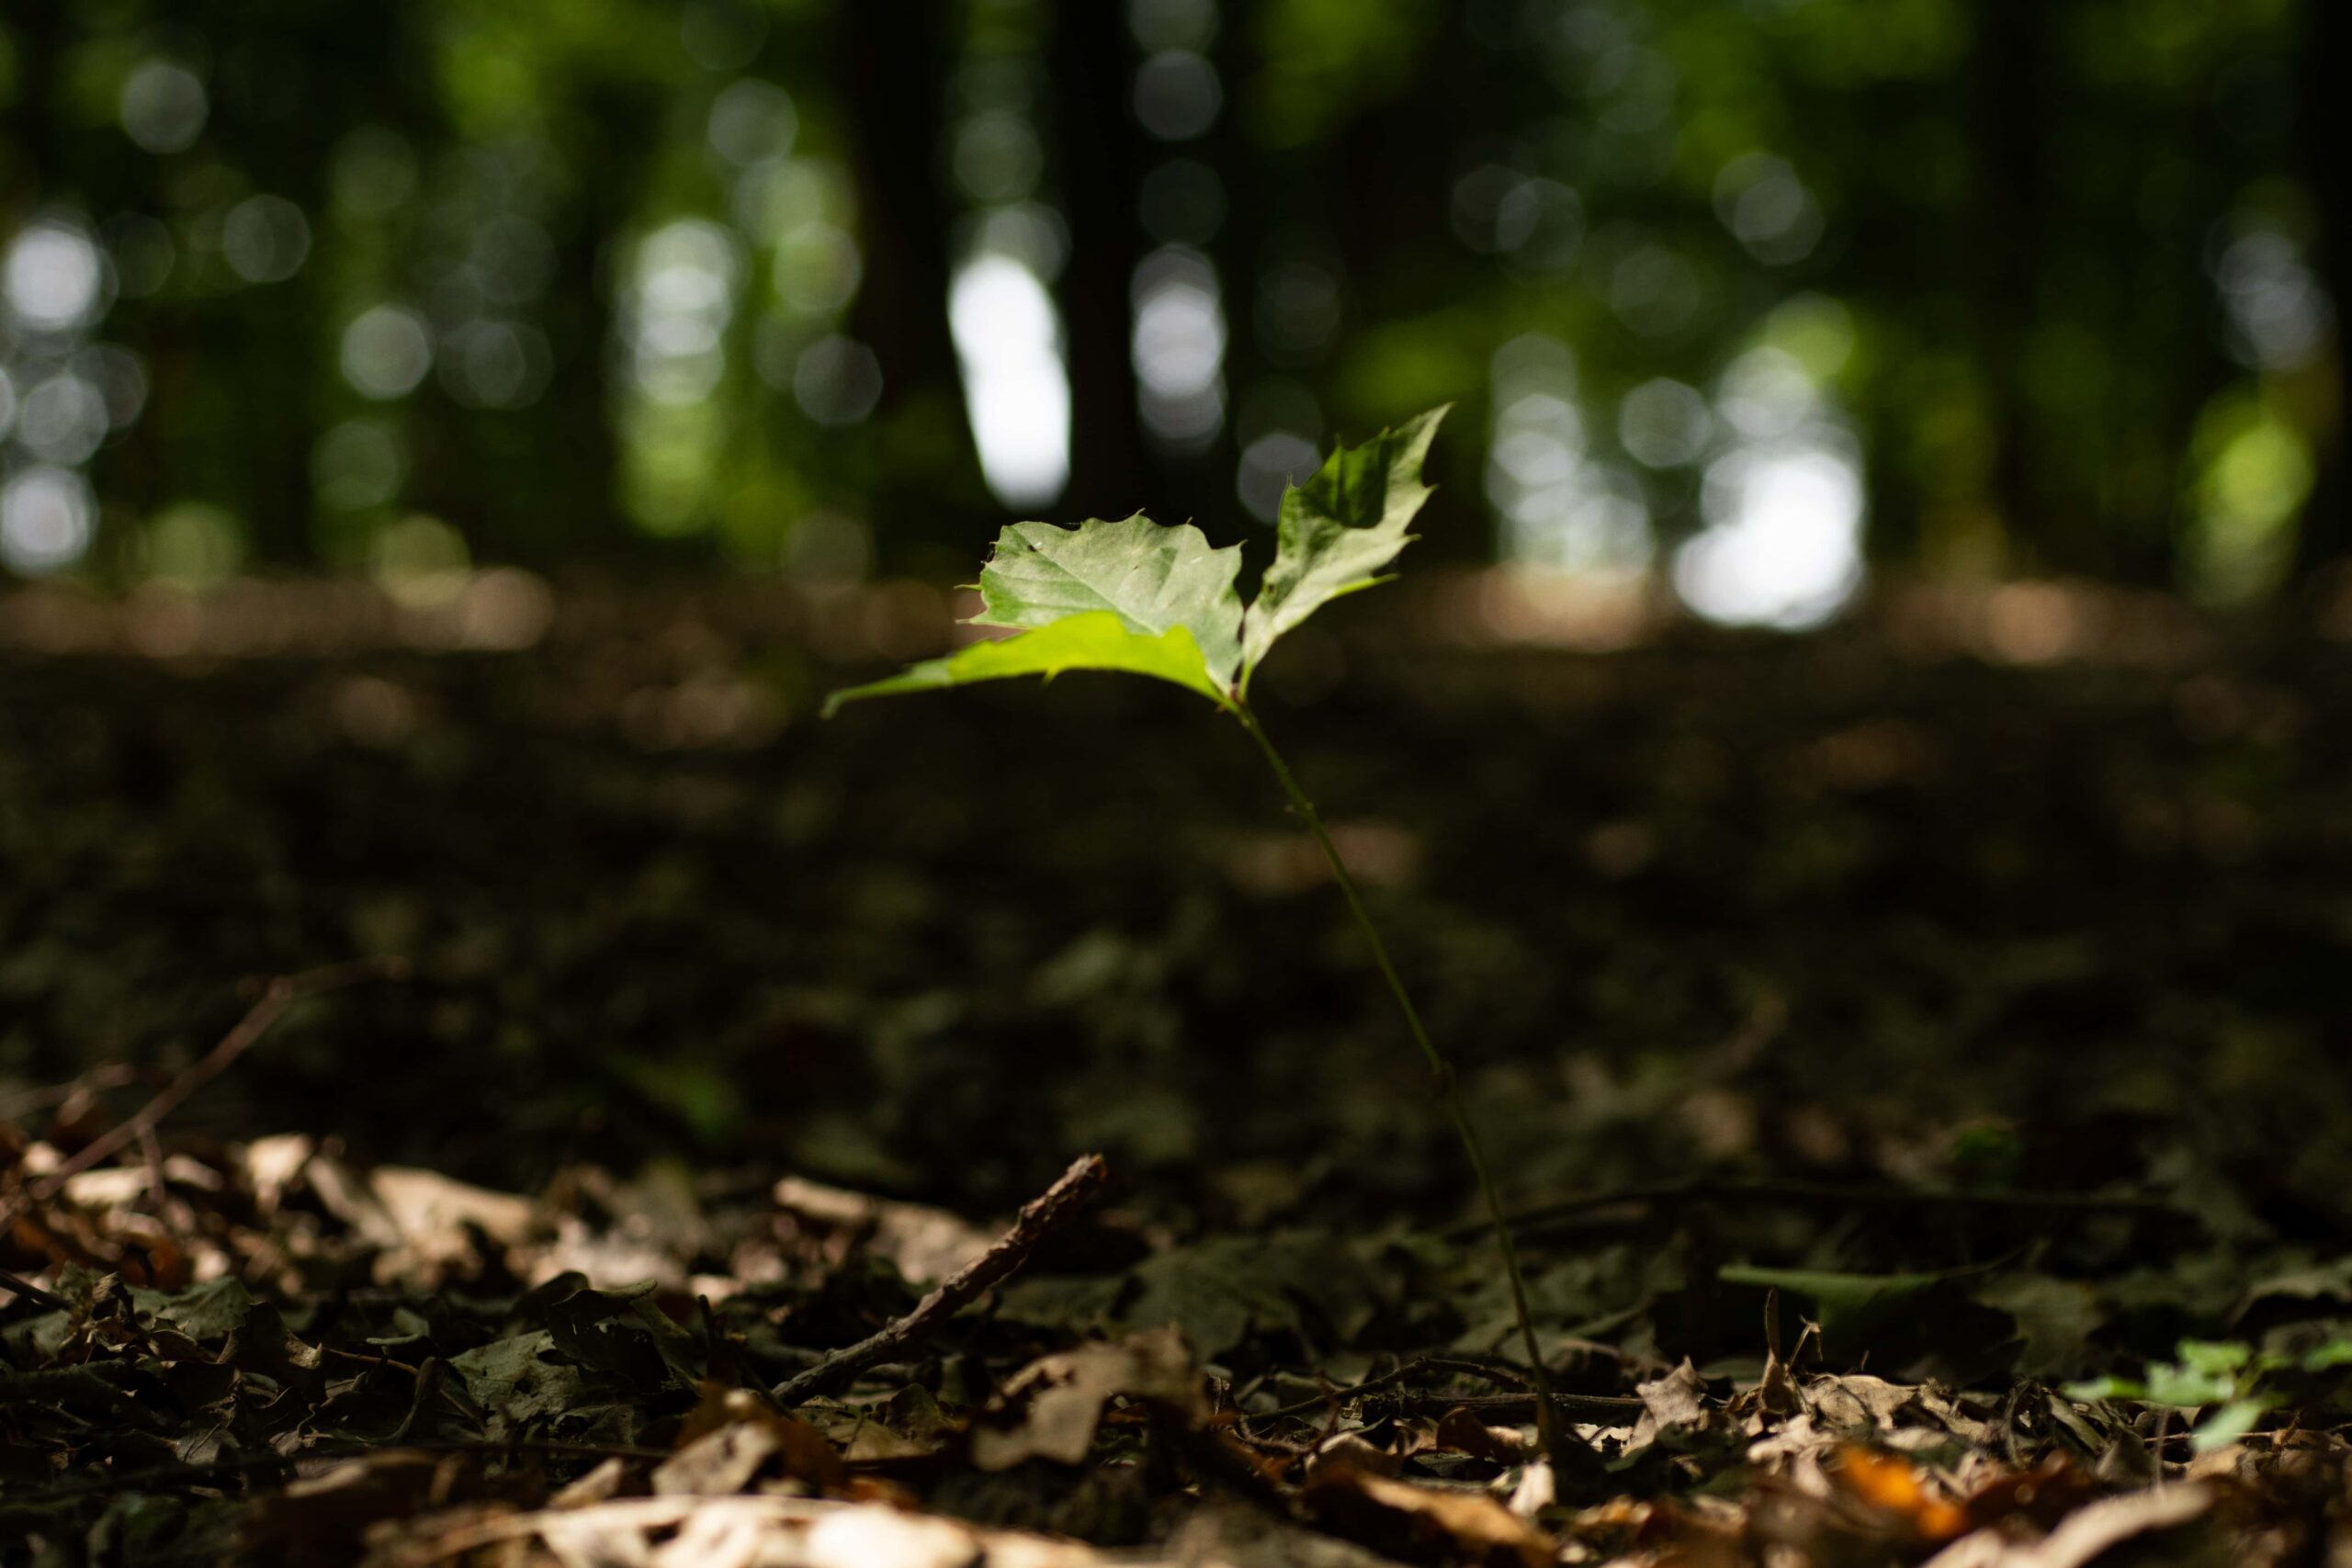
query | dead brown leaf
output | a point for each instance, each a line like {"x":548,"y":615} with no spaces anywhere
{"x":1462,"y":1431}
{"x":2088,"y":1534}
{"x":1050,"y":1408}
{"x":927,"y":1244}
{"x":1424,"y":1524}
{"x":733,"y":1436}
{"x":720,"y":1532}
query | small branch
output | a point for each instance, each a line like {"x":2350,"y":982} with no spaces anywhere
{"x":281,"y":993}
{"x":1419,"y":1364}
{"x":23,"y":1102}
{"x":1802,"y":1194}
{"x":1039,"y":1217}
{"x":212,"y":1473}
{"x":30,"y":1292}
{"x":1598,"y":1409}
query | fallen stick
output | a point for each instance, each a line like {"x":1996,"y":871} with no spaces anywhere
{"x":276,"y":997}
{"x":30,"y":1292}
{"x":1829,"y":1194}
{"x":1599,"y":1409}
{"x":1039,"y":1217}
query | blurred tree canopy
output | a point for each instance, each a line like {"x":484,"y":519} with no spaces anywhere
{"x":1742,"y":292}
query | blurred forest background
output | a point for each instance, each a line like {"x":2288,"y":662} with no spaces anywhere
{"x":1749,"y":296}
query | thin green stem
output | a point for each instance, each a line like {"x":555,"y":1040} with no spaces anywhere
{"x":1449,"y":1083}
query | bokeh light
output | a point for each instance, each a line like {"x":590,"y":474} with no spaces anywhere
{"x":163,"y":107}
{"x":53,"y":279}
{"x":1663,"y":423}
{"x":358,"y":464}
{"x":1558,"y":507}
{"x":2279,"y":319}
{"x":386,"y":352}
{"x":1179,"y":348}
{"x":1177,"y":95}
{"x":1782,"y":546}
{"x":837,"y":380}
{"x":47,"y":519}
{"x":62,"y":420}
{"x":1008,"y":338}
{"x":193,"y":546}
{"x":265,"y":239}
{"x":681,"y":297}
{"x":752,"y":122}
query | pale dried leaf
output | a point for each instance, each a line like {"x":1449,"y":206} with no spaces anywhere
{"x":1050,"y":1408}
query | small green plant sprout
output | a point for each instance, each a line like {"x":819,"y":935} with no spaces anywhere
{"x":1152,"y":598}
{"x":2227,"y":1375}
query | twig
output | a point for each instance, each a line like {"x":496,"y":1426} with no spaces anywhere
{"x":30,"y":1292}
{"x":1491,"y":1371}
{"x":276,"y":997}
{"x":1608,"y":1410}
{"x":1806,"y":1193}
{"x":1039,"y":1217}
{"x":209,"y":1471}
{"x":24,"y":1101}
{"x":1331,"y":1396}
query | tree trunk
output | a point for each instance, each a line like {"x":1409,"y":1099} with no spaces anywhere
{"x":1096,"y":152}
{"x":895,"y":59}
{"x":2009,"y":125}
{"x":2323,"y":123}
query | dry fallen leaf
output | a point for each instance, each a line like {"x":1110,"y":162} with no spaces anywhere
{"x":1895,"y":1489}
{"x":720,"y":1532}
{"x":1424,"y":1524}
{"x":1050,"y":1408}
{"x":2087,"y":1534}
{"x":733,"y":1436}
{"x":926,"y":1244}
{"x":1462,"y":1431}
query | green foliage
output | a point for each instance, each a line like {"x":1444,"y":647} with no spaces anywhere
{"x":1155,"y":579}
{"x":1850,"y":1306}
{"x":2225,"y":1374}
{"x":1152,"y":598}
{"x":1093,"y":640}
{"x":1339,"y":529}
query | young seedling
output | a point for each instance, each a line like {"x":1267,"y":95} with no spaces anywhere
{"x":1155,"y":600}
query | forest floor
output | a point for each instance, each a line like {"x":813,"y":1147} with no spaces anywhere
{"x":465,"y":1106}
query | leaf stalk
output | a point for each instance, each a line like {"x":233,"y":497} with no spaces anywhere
{"x":1449,"y":1083}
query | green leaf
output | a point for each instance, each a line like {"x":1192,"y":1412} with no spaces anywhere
{"x":1851,"y":1306}
{"x":1096,"y":640}
{"x":2055,"y":1320}
{"x":2227,"y":1425}
{"x":1338,"y":530}
{"x":1156,"y":600}
{"x":2187,"y":1387}
{"x":2214,"y":1357}
{"x":1153,"y":577}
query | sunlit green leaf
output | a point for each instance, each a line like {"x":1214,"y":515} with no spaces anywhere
{"x":2227,"y":1425}
{"x":1154,"y":599}
{"x":2216,"y":1357}
{"x":1154,"y":577}
{"x":1339,"y":529}
{"x":2187,"y":1387}
{"x":1094,"y":640}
